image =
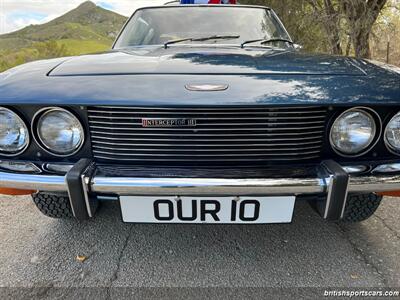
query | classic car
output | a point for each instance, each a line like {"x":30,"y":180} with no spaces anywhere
{"x":202,"y":114}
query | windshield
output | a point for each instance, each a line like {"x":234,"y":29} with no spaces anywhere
{"x":159,"y":25}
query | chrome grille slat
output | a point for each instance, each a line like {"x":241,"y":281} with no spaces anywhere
{"x":206,"y":150}
{"x":116,"y":119}
{"x":190,"y":160}
{"x":192,"y":113}
{"x":222,"y":108}
{"x":232,"y":134}
{"x":296,"y":137}
{"x":118,"y":145}
{"x":201,"y":134}
{"x":208,"y":113}
{"x":206,"y":155}
{"x":203,"y":129}
{"x":215,"y":124}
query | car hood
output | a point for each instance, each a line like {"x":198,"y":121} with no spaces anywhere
{"x":161,"y":77}
{"x":215,"y":60}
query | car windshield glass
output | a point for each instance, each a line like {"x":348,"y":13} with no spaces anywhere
{"x":157,"y":26}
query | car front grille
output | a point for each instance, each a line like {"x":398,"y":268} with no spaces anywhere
{"x":230,"y":135}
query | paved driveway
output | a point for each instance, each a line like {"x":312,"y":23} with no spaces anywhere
{"x":38,"y":251}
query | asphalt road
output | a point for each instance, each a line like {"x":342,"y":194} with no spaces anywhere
{"x":38,"y":251}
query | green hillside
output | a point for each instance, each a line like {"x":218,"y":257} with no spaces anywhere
{"x":86,"y":29}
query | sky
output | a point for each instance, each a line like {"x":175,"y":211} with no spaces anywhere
{"x":16,"y":14}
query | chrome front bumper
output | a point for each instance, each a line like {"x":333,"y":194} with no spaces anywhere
{"x":326,"y":183}
{"x":199,"y":186}
{"x":239,"y":187}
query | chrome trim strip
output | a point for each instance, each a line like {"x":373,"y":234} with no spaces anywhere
{"x":69,"y":197}
{"x":85,"y":185}
{"x":345,"y":199}
{"x":91,"y":203}
{"x":329,"y":181}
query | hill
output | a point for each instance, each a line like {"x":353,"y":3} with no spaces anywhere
{"x":85,"y":29}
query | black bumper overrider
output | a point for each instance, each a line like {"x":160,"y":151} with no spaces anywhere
{"x":83,"y":182}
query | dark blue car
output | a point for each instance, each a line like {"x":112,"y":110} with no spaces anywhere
{"x":202,"y":114}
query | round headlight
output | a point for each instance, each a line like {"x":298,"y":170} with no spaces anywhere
{"x":353,"y":132}
{"x":14,"y":135}
{"x":60,"y":132}
{"x":392,"y":134}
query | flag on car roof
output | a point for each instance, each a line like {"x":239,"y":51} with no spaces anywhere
{"x":208,"y":1}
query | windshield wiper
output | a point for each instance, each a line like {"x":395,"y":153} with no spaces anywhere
{"x":201,"y":39}
{"x":266,"y":41}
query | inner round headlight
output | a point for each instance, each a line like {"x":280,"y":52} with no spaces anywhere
{"x":14,"y":135}
{"x":353,"y":132}
{"x":60,"y":132}
{"x":392,"y":134}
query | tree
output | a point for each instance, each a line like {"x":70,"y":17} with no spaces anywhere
{"x":328,"y":14}
{"x":50,"y":49}
{"x":361,"y":15}
{"x":340,"y":21}
{"x":385,"y":36}
{"x":301,"y":22}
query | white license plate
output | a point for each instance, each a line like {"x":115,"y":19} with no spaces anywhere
{"x":204,"y":210}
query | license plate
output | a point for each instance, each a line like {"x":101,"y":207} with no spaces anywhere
{"x":205,"y":210}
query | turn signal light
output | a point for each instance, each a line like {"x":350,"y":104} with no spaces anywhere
{"x":22,"y":167}
{"x":390,"y":194}
{"x":15,"y":192}
{"x":387,"y":168}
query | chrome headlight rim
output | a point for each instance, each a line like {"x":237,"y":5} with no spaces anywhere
{"x":28,"y":139}
{"x":35,"y":130}
{"x":377,"y":133}
{"x":389,"y":147}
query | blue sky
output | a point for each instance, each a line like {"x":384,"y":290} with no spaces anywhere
{"x":106,"y":5}
{"x":16,"y":14}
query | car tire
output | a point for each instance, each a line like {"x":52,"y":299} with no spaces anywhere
{"x":360,"y":207}
{"x":55,"y":206}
